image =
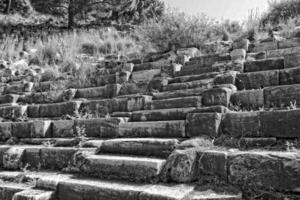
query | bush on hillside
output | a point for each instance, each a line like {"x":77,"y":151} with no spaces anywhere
{"x":177,"y":29}
{"x":281,"y":11}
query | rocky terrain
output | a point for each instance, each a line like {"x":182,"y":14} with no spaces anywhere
{"x":173,"y":126}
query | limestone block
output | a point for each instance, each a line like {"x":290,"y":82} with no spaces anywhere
{"x":146,"y":75}
{"x":13,"y":112}
{"x":289,"y":43}
{"x":257,"y":80}
{"x":184,"y":102}
{"x":181,"y":166}
{"x":59,"y":109}
{"x":282,"y":52}
{"x":5,"y":131}
{"x":56,"y":158}
{"x":162,"y":129}
{"x":282,"y":96}
{"x":272,"y":45}
{"x":63,"y":128}
{"x":107,"y":91}
{"x":262,"y":170}
{"x":199,"y":124}
{"x":280,"y":124}
{"x":100,"y":128}
{"x":289,"y":76}
{"x":21,"y":129}
{"x":41,"y":129}
{"x":216,"y":96}
{"x":292,"y":60}
{"x":264,"y":65}
{"x":10,"y":98}
{"x":238,"y":54}
{"x":249,"y":99}
{"x":226,"y":78}
{"x":212,"y":163}
{"x":241,"y":124}
{"x":12,"y":158}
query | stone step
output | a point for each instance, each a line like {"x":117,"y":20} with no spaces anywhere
{"x":264,"y":65}
{"x":107,"y":91}
{"x":8,"y":190}
{"x":182,"y":79}
{"x":150,"y":147}
{"x":184,"y":102}
{"x":205,"y":84}
{"x":209,"y":60}
{"x":34,"y":194}
{"x":198,"y":70}
{"x":279,"y":124}
{"x":39,"y":130}
{"x":234,"y":166}
{"x":178,"y":93}
{"x":56,"y":96}
{"x":282,"y":52}
{"x":158,"y":129}
{"x":161,"y":115}
{"x":9,"y":98}
{"x":285,"y":96}
{"x":122,"y":167}
{"x":212,"y":195}
{"x":20,"y":88}
{"x":173,"y":113}
{"x":38,"y":157}
{"x":257,"y":80}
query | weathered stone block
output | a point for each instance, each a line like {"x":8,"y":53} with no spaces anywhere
{"x":100,"y":128}
{"x":249,"y":99}
{"x":146,"y":75}
{"x":12,"y":158}
{"x":289,"y":43}
{"x":199,"y":124}
{"x":176,"y":103}
{"x":227,"y":78}
{"x":265,"y":46}
{"x":106,"y":79}
{"x":216,"y":96}
{"x":292,"y":60}
{"x":63,"y":128}
{"x":257,"y":142}
{"x":257,"y":80}
{"x":238,"y":54}
{"x":163,"y":129}
{"x":139,"y":146}
{"x":32,"y":157}
{"x":282,"y":96}
{"x":5,"y":131}
{"x":13,"y":112}
{"x":241,"y":124}
{"x":59,"y":109}
{"x":41,"y":129}
{"x":34,"y":194}
{"x":21,"y":129}
{"x":56,"y":158}
{"x":205,"y":83}
{"x":265,"y":170}
{"x":134,"y":88}
{"x":282,"y":52}
{"x":9,"y":98}
{"x":100,"y":108}
{"x":264,"y":65}
{"x":181,"y":166}
{"x":178,"y":93}
{"x":289,"y":76}
{"x":280,"y":124}
{"x":212,"y":163}
{"x":161,"y":115}
{"x":135,"y":102}
{"x":107,"y":91}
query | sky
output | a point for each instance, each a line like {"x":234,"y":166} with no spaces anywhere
{"x":220,"y":9}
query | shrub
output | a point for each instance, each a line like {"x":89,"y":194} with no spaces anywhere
{"x":280,"y":11}
{"x":179,"y":30}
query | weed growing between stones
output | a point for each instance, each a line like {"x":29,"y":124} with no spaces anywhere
{"x":80,"y":136}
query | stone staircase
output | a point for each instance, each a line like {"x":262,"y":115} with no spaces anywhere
{"x":220,"y":127}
